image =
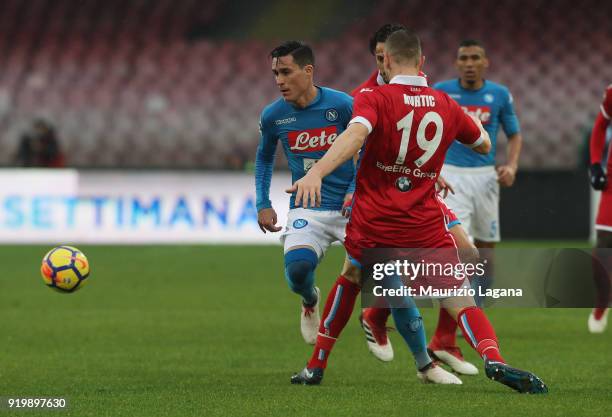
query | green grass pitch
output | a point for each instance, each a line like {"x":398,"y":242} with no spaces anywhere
{"x":214,"y":331}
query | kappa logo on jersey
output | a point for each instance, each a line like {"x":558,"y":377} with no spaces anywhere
{"x":331,"y":115}
{"x":312,"y":140}
{"x":285,"y":121}
{"x":483,"y":113}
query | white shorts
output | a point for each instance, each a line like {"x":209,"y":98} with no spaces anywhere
{"x":476,"y":200}
{"x":314,"y":228}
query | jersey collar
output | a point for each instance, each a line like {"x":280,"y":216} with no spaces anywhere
{"x":379,"y":79}
{"x":409,"y":80}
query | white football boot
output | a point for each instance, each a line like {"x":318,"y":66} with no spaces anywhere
{"x":309,"y":320}
{"x":598,"y":326}
{"x":378,"y":342}
{"x":453,"y":358}
{"x":438,"y":375}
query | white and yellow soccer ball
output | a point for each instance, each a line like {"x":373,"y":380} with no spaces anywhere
{"x":65,"y":269}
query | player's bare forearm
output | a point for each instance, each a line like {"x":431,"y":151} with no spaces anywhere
{"x":506,"y":174}
{"x":345,"y":147}
{"x":515,"y":143}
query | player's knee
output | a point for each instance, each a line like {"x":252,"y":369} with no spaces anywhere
{"x":299,"y":268}
{"x":298,"y":274}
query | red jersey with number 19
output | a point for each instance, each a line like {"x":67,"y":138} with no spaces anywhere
{"x":411,"y":126}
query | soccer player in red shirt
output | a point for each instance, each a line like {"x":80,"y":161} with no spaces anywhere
{"x":598,"y":319}
{"x":410,"y":127}
{"x":373,"y":320}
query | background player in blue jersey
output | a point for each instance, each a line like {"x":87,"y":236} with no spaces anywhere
{"x":306,"y":121}
{"x":475,"y":178}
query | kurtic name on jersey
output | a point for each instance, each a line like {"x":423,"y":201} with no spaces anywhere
{"x":420,"y":100}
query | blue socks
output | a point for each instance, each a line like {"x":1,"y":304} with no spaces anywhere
{"x":299,"y":273}
{"x":409,"y":323}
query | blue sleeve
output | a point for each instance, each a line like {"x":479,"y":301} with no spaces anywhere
{"x":264,"y":164}
{"x":509,"y":121}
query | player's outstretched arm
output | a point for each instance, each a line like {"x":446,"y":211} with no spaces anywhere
{"x":308,"y":188}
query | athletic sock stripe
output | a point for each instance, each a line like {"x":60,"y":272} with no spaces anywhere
{"x":371,"y":339}
{"x":467,"y":328}
{"x":486,"y":340}
{"x":490,"y":347}
{"x":334,"y":309}
{"x":325,"y":335}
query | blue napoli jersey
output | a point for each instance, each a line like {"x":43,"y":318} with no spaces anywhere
{"x":305,"y":135}
{"x":492,"y":104}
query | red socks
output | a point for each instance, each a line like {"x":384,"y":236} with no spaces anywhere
{"x":338,"y":310}
{"x":479,"y":333}
{"x":377,"y":316}
{"x":598,"y":312}
{"x":445,"y":335}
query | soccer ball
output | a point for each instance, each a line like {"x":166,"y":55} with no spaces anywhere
{"x":65,"y":269}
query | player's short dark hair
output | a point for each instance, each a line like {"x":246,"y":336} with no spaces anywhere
{"x":302,"y":53}
{"x":404,"y":45}
{"x":383,"y":33}
{"x":471,"y":42}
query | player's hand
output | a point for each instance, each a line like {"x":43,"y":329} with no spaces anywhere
{"x":444,"y":187}
{"x":307,"y":190}
{"x":266,"y":218}
{"x":598,"y":177}
{"x":346,"y":205}
{"x":506,"y":174}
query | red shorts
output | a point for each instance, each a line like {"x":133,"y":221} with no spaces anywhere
{"x":604,"y":215}
{"x":441,"y":250}
{"x":449,"y":215}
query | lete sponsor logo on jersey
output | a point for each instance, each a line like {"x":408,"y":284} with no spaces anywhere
{"x":312,"y":140}
{"x":481,"y":112}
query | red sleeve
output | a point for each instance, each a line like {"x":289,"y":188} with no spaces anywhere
{"x":598,"y":138}
{"x":369,"y":83}
{"x":598,"y":134}
{"x":365,"y":110}
{"x":468,"y":132}
{"x":606,"y":106}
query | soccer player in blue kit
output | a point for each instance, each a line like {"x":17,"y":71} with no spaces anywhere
{"x":475,"y":178}
{"x":306,"y":120}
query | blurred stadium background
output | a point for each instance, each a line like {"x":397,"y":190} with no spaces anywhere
{"x":161,"y":84}
{"x":155,"y":104}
